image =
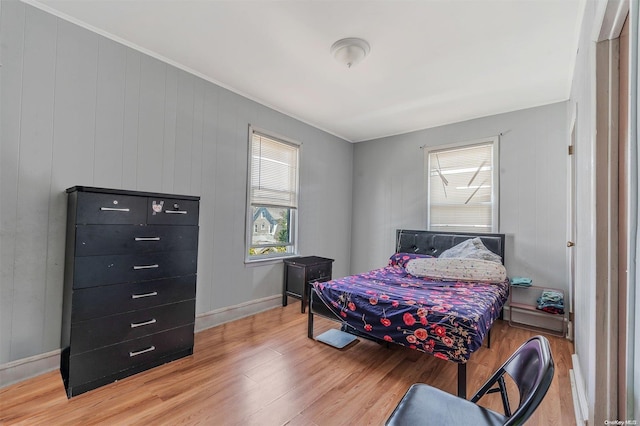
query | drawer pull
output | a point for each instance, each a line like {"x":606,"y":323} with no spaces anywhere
{"x":139,"y":296}
{"x":141,"y":324}
{"x":138,"y":267}
{"x":144,"y":351}
{"x":147,"y":238}
{"x":113,"y":209}
{"x":175,"y":211}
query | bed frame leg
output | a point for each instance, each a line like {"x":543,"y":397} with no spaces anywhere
{"x":310,"y":323}
{"x":489,"y":339}
{"x":462,"y":381}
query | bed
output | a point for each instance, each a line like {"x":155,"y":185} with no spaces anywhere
{"x":441,"y":306}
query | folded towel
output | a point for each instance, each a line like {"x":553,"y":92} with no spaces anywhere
{"x":551,"y":310}
{"x":553,"y":304}
{"x":551,"y":301}
{"x":552,"y":296}
{"x":521,"y":281}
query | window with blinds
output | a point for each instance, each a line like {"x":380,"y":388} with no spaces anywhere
{"x":272,"y":196}
{"x":462,"y":186}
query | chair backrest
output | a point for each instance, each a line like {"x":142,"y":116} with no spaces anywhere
{"x":531,"y":368}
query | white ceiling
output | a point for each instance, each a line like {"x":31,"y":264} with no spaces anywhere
{"x":432,"y":62}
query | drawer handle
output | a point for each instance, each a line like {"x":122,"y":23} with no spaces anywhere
{"x":139,"y":296}
{"x":141,"y":324}
{"x":144,"y":351}
{"x":175,"y":211}
{"x":147,"y":238}
{"x":138,"y":267}
{"x":113,"y":209}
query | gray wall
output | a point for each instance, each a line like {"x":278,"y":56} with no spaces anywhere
{"x":389,"y":190}
{"x":79,"y":109}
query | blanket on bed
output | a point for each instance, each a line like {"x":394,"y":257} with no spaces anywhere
{"x":448,"y":319}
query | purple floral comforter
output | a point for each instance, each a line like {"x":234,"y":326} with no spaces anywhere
{"x":446,"y":319}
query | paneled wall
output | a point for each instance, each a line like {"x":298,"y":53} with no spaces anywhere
{"x":80,"y":109}
{"x":390,"y":192}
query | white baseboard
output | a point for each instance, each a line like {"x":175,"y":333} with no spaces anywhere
{"x":580,"y":404}
{"x":231,"y":313}
{"x":22,"y":369}
{"x":25,"y":368}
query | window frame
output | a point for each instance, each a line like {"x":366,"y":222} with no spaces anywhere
{"x":293,"y":211}
{"x":495,"y":176}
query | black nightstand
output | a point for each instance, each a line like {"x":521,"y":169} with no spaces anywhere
{"x":299,"y":272}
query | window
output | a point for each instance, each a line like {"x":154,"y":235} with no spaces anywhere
{"x":272,"y":196}
{"x":462,"y":186}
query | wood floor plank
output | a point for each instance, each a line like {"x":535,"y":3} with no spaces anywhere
{"x":263,"y":370}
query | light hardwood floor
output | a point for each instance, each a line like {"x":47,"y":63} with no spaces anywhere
{"x":263,"y":370}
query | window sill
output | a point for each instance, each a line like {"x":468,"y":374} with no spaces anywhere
{"x":268,"y":260}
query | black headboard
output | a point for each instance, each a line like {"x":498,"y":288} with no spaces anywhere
{"x":434,"y":242}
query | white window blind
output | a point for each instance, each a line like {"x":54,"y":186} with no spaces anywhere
{"x":274,"y":172}
{"x":462,"y":187}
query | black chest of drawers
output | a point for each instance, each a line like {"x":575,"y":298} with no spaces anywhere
{"x":129,"y":286}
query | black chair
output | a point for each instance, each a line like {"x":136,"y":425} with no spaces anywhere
{"x":530,"y":367}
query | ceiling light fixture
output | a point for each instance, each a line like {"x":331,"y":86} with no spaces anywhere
{"x":350,"y":51}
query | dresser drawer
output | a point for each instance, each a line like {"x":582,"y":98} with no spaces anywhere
{"x":105,"y":331}
{"x":169,"y":211}
{"x":110,"y":209}
{"x":92,"y":365}
{"x":91,"y":271}
{"x":92,"y":240}
{"x":96,"y":302}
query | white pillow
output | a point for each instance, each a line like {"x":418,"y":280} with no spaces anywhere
{"x":457,"y":269}
{"x":471,"y":249}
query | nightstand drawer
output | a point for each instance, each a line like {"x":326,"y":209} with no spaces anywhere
{"x":318,"y":272}
{"x":106,"y":331}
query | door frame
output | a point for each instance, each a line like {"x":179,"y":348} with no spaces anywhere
{"x":607,"y":376}
{"x":572,"y":220}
